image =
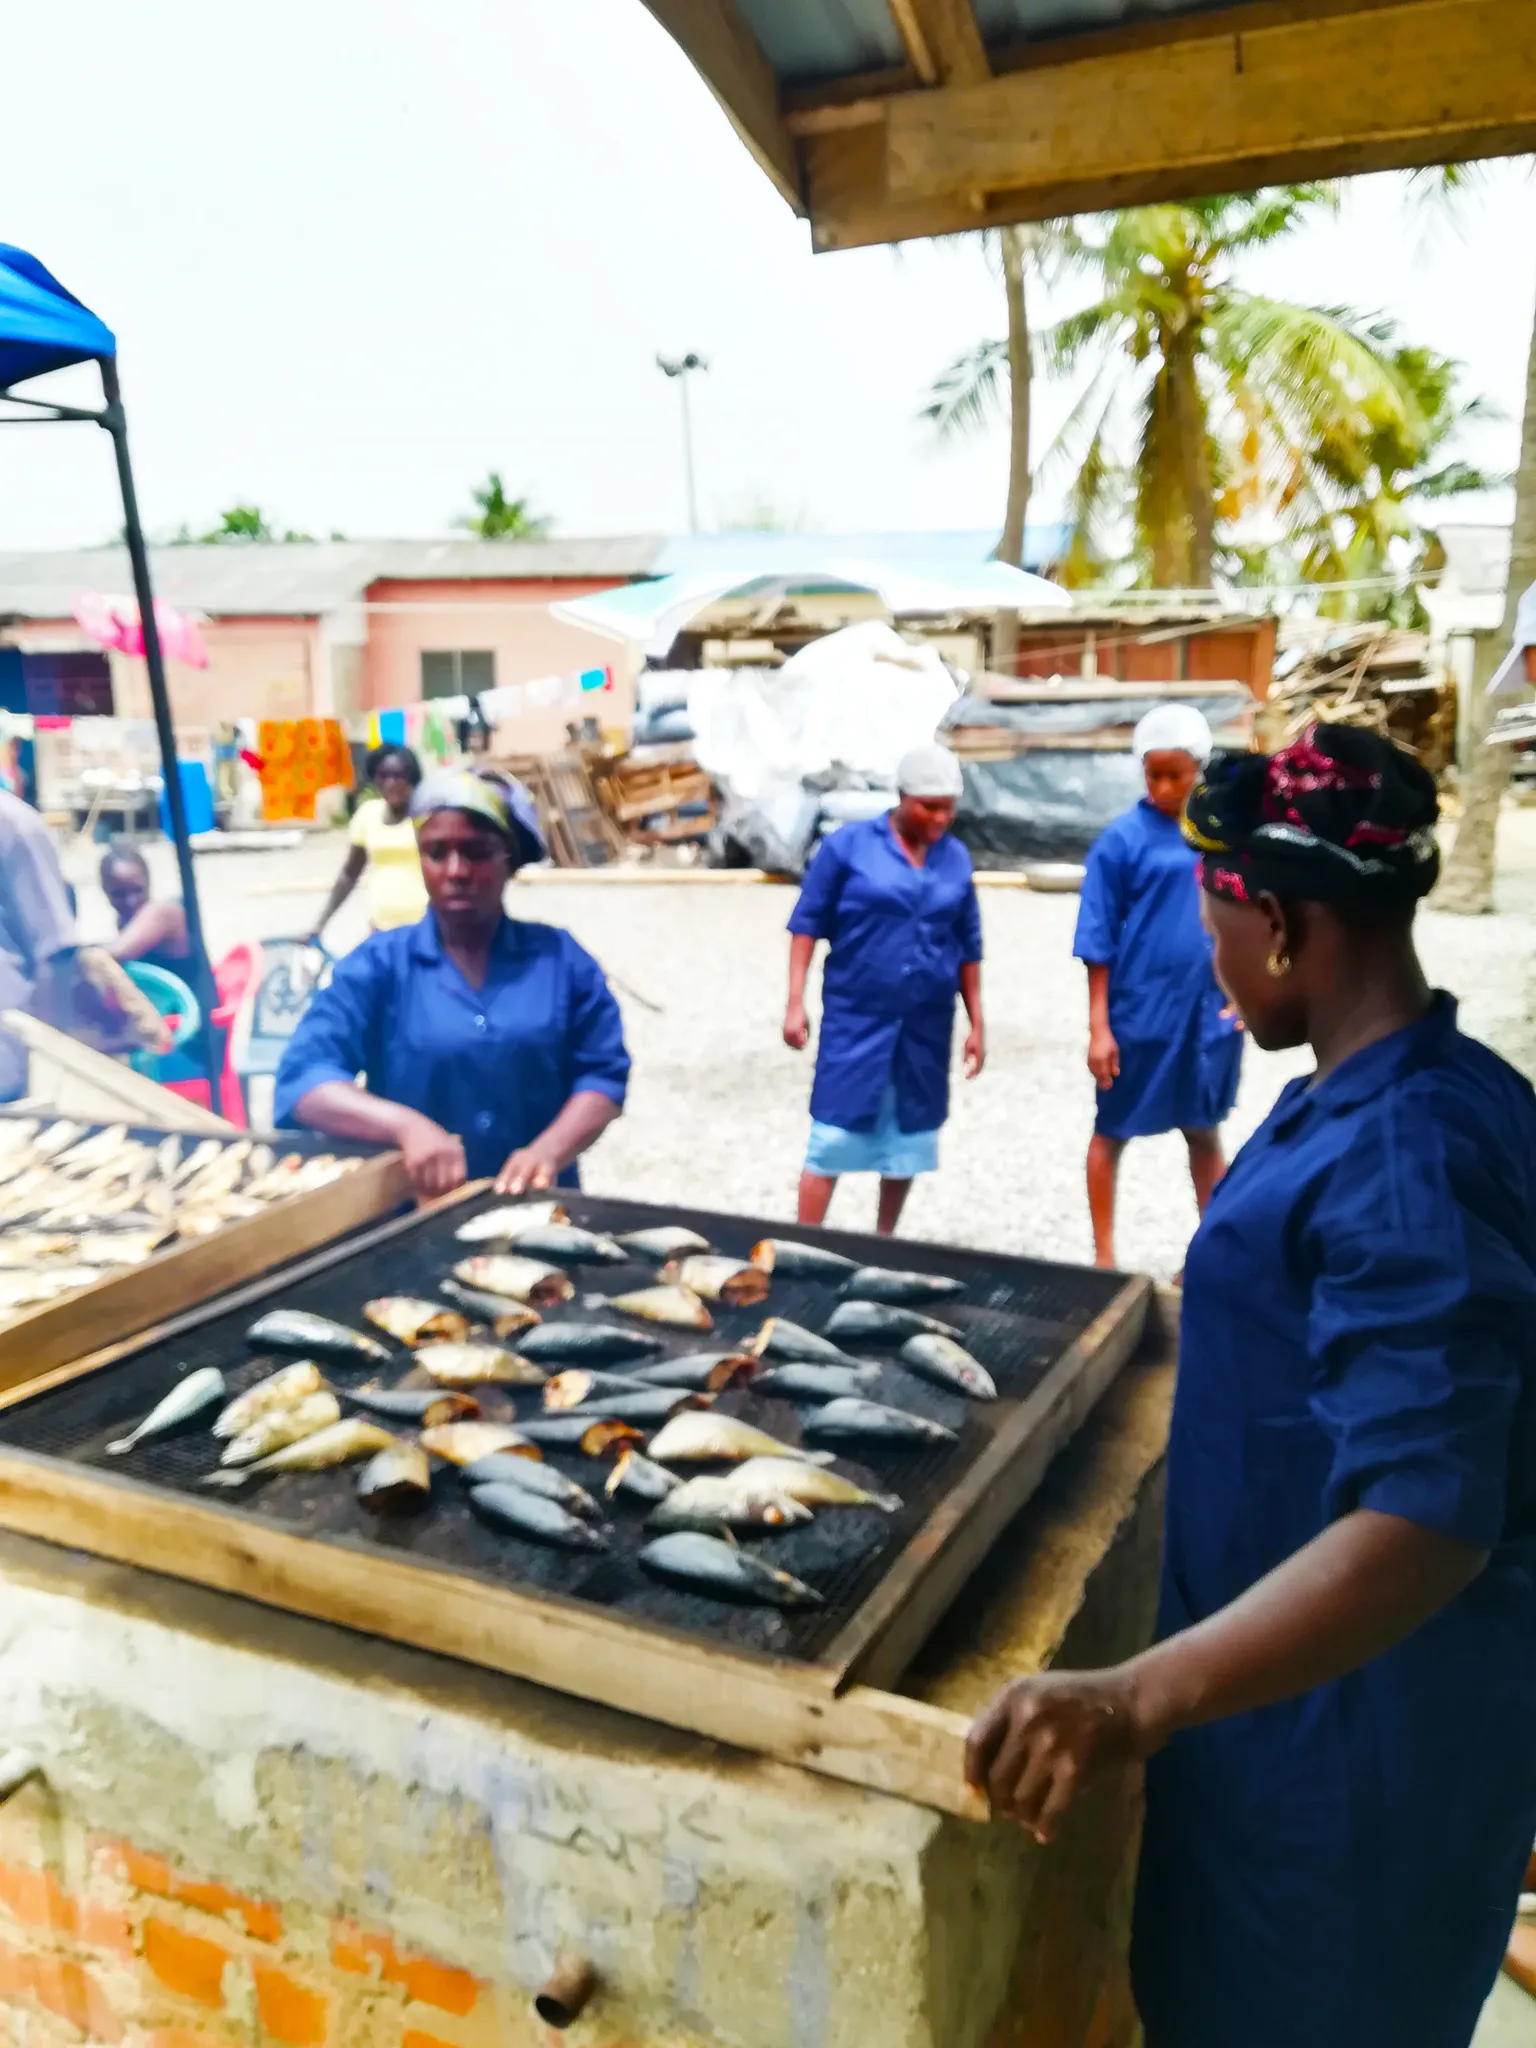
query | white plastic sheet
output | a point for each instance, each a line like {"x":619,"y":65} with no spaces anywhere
{"x":860,"y":698}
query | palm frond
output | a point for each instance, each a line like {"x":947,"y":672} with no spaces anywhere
{"x":1457,"y":478}
{"x":970,"y":392}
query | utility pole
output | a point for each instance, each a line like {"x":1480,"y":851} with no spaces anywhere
{"x":681,"y":367}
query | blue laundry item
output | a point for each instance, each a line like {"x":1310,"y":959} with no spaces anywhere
{"x":1139,"y":915}
{"x":42,"y":326}
{"x":494,"y":1065}
{"x":392,"y":728}
{"x":899,"y":937}
{"x":1342,"y":1870}
{"x":888,"y":1150}
{"x":196,"y":799}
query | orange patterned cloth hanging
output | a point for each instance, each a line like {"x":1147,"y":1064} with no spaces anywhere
{"x":299,"y":758}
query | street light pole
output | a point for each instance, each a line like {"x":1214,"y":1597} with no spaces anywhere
{"x":681,"y":367}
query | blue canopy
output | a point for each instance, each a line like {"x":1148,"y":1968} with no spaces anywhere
{"x":42,"y":326}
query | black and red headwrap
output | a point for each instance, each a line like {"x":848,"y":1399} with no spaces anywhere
{"x":1340,"y":816}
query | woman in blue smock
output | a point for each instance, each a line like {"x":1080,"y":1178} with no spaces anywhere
{"x":896,"y":899}
{"x":1341,"y":1711}
{"x":487,"y":1045}
{"x":1163,"y":1045}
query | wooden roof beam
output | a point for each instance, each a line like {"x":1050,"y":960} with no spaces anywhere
{"x":723,"y":50}
{"x":942,"y":42}
{"x":1298,"y":94}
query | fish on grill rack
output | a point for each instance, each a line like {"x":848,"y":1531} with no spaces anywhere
{"x":521,"y":1513}
{"x":293,"y":1329}
{"x":736,"y":1283}
{"x":873,"y":1423}
{"x":878,"y":1322}
{"x":340,"y":1444}
{"x":410,"y":1321}
{"x":950,"y":1365}
{"x":798,"y":1261}
{"x":505,"y":1226}
{"x":197,"y":1392}
{"x":282,"y":1389}
{"x":881,"y":1283}
{"x":709,"y":1565}
{"x":519,"y":1279}
{"x":668,"y":1304}
{"x":395,"y":1481}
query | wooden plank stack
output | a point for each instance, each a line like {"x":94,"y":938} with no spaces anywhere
{"x":1372,"y":675}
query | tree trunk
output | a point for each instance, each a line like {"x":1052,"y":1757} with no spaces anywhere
{"x":1010,"y":548}
{"x":1467,"y":882}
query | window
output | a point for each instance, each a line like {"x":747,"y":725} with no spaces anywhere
{"x":457,"y":671}
{"x":67,"y":685}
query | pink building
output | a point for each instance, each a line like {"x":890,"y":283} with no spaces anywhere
{"x":321,"y":629}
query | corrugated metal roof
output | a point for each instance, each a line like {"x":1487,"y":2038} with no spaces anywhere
{"x":302,"y":579}
{"x":810,"y":41}
{"x":807,"y":40}
{"x":1007,"y":22}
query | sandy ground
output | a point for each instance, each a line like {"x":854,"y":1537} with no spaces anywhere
{"x":717,"y":1112}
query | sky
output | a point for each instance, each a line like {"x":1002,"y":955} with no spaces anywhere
{"x":357,"y":254}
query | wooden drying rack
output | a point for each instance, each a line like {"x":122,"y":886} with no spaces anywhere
{"x":833,"y":1716}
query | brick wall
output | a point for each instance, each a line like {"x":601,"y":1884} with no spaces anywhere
{"x":104,"y":1946}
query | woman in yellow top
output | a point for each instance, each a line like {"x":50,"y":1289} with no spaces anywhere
{"x":384,"y":843}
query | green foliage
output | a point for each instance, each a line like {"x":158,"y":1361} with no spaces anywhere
{"x":502,"y":518}
{"x":237,"y":525}
{"x":1210,"y":411}
{"x":1352,"y":519}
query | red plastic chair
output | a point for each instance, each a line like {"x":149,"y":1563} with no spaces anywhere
{"x":236,"y":977}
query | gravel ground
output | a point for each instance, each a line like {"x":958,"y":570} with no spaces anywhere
{"x":717,"y":1112}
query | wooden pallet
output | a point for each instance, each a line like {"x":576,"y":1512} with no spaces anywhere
{"x":576,"y":828}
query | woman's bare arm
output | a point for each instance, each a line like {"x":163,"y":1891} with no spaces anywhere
{"x":1352,"y":1593}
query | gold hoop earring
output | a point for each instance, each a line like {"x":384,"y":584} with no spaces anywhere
{"x":1278,"y":963}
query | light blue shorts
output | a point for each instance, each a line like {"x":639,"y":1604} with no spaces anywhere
{"x":888,"y":1150}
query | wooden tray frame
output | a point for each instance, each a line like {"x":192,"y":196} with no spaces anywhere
{"x":831,"y":1717}
{"x":123,"y":1304}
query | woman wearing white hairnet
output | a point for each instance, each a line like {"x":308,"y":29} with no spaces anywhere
{"x":896,"y":899}
{"x":1163,"y":1043}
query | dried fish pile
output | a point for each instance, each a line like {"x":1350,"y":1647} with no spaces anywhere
{"x":479,"y":1391}
{"x":77,"y":1205}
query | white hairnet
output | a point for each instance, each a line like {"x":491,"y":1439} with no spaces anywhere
{"x":1173,"y":729}
{"x":928,"y":771}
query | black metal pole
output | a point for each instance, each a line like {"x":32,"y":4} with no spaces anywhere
{"x":200,"y":976}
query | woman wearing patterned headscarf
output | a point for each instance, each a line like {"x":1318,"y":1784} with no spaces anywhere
{"x":487,"y":1045}
{"x":1163,"y":1045}
{"x":1341,"y":1711}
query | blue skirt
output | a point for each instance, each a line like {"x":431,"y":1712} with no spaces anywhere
{"x":888,"y":1150}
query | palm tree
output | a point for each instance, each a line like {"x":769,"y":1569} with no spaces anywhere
{"x":1229,"y":391}
{"x":501,"y":517}
{"x":1467,"y":882}
{"x":1349,"y":507}
{"x":995,"y":377}
{"x":1226,"y":387}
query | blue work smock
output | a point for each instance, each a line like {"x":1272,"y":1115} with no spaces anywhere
{"x":899,"y":936}
{"x":494,"y":1065}
{"x":1139,"y":916}
{"x":1359,"y":1331}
